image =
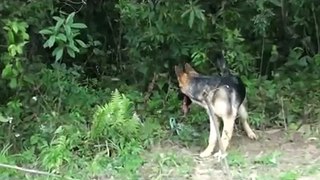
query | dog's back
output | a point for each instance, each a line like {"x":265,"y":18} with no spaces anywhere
{"x":227,"y":78}
{"x":193,"y":84}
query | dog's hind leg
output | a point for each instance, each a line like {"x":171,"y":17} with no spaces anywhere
{"x":212,"y":136}
{"x":228,"y":125}
{"x":224,"y":109}
{"x":243,"y":115}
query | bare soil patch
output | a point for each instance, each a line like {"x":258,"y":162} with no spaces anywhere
{"x":275,"y":155}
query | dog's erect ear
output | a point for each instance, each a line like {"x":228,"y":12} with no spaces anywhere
{"x":178,"y":70}
{"x":189,"y":69}
{"x":222,"y":65}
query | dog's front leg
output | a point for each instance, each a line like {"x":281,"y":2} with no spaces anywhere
{"x":212,"y":136}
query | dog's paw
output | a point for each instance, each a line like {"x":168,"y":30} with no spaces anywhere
{"x":252,"y":136}
{"x":219,"y":155}
{"x":205,"y":153}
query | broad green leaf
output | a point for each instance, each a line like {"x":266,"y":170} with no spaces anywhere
{"x":51,"y":28}
{"x":25,"y":36}
{"x":23,"y":26}
{"x":3,"y":119}
{"x":14,"y":27}
{"x":58,"y":53}
{"x":71,"y":52}
{"x":304,"y":61}
{"x":6,"y":28}
{"x":78,"y":25}
{"x":97,"y":43}
{"x":11,"y":38}
{"x":97,"y":51}
{"x":191,"y":19}
{"x":50,"y":42}
{"x":7,"y":71}
{"x":45,"y":31}
{"x":69,"y":19}
{"x":62,"y":37}
{"x":19,"y":48}
{"x":67,"y":28}
{"x":12,"y":50}
{"x":18,"y":68}
{"x":58,"y":25}
{"x":13,"y":83}
{"x":185,"y":13}
{"x":45,"y":45}
{"x":14,"y":72}
{"x":159,"y":25}
{"x":75,"y":33}
{"x":199,"y":13}
{"x":57,"y":18}
{"x":81,"y":43}
{"x":73,"y":47}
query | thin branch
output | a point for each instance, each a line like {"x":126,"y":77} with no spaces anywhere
{"x":316,"y":27}
{"x":32,"y":171}
{"x":27,"y":170}
{"x":284,"y":115}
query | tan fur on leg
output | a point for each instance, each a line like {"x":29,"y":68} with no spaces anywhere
{"x":243,"y":115}
{"x":212,"y":136}
{"x":228,"y":125}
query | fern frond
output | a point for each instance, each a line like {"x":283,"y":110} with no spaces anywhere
{"x":115,"y":120}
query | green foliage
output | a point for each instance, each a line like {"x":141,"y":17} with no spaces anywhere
{"x":63,"y":117}
{"x":115,"y":121}
{"x":63,"y":35}
{"x":289,"y":175}
{"x":268,"y":159}
{"x":17,"y":38}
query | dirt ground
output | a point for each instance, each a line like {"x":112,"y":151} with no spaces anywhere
{"x":275,"y":155}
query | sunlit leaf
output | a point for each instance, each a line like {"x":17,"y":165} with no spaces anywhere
{"x":71,"y":52}
{"x":13,"y":83}
{"x":58,"y":52}
{"x":69,"y":19}
{"x":50,"y":42}
{"x":191,"y":19}
{"x":62,"y":37}
{"x":58,"y":25}
{"x":81,"y":43}
{"x":78,"y":25}
{"x":45,"y":31}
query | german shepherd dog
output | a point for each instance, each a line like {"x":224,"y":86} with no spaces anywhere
{"x":227,"y":101}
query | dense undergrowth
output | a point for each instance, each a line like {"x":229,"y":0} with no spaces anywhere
{"x":86,"y":87}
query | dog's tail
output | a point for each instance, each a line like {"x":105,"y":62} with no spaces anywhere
{"x":222,"y":65}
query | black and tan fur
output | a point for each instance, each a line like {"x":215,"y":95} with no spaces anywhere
{"x":227,"y":101}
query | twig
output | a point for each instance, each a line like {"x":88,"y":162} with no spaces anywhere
{"x":28,"y":170}
{"x":262,"y":59}
{"x":82,"y":3}
{"x":316,"y":27}
{"x":284,"y":115}
{"x":224,"y":163}
{"x":150,"y":89}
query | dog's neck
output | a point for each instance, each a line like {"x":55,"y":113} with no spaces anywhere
{"x":200,"y":100}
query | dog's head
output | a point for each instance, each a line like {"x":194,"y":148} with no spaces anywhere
{"x":184,"y":75}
